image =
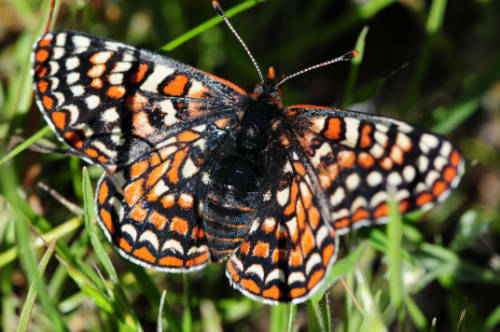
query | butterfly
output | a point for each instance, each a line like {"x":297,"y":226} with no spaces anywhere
{"x":199,"y":170}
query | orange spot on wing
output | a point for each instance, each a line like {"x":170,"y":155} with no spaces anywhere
{"x":59,"y":119}
{"x":74,"y":139}
{"x":315,"y":278}
{"x":103,"y":192}
{"x":124,"y":245}
{"x":346,"y":159}
{"x":168,"y":201}
{"x":138,"y":76}
{"x":327,"y":254}
{"x":403,"y":206}
{"x":381,"y":211}
{"x":176,"y":86}
{"x":360,"y":214}
{"x":157,"y":219}
{"x":344,"y":222}
{"x":136,"y":102}
{"x":386,"y":163}
{"x":245,"y":248}
{"x":307,"y":241}
{"x":45,"y":41}
{"x":455,"y":158}
{"x":155,"y":159}
{"x":296,"y":292}
{"x":424,"y":198}
{"x":439,"y":187}
{"x":296,"y":257}
{"x":116,"y":92}
{"x":185,"y":201}
{"x":47,"y":102}
{"x":157,"y":173}
{"x":187,"y":136}
{"x":106,"y":218}
{"x":40,"y":70}
{"x":198,"y":233}
{"x":314,"y":217}
{"x":261,"y":249}
{"x":278,"y":255}
{"x":334,"y":129}
{"x":91,"y":152}
{"x":366,"y":160}
{"x":138,"y":213}
{"x":397,"y":155}
{"x":96,"y":70}
{"x":138,"y":168}
{"x":449,"y":174}
{"x":42,"y":86}
{"x":170,"y":261}
{"x":232,"y":271}
{"x":41,"y":55}
{"x":173,"y":173}
{"x":96,"y":83}
{"x":144,"y":254}
{"x":133,"y":192}
{"x":250,"y":285}
{"x":179,"y":225}
{"x":299,"y":168}
{"x":272,"y":292}
{"x":365,"y":140}
{"x":197,"y":260}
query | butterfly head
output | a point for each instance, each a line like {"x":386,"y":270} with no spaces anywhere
{"x":267,"y":90}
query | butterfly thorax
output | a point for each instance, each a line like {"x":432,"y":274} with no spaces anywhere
{"x":230,"y":203}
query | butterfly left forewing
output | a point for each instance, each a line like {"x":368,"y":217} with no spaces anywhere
{"x":113,"y":103}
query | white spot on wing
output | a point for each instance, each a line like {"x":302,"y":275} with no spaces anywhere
{"x":130,"y":230}
{"x":156,"y":77}
{"x":314,"y":260}
{"x":275,"y":274}
{"x":92,"y":102}
{"x":115,"y":78}
{"x":110,"y":115}
{"x":257,"y":270}
{"x":352,"y":181}
{"x":173,"y":245}
{"x":282,"y":196}
{"x":337,"y":196}
{"x":189,"y":169}
{"x":296,"y":277}
{"x":351,"y":132}
{"x":409,"y":173}
{"x":77,"y":90}
{"x":72,"y":63}
{"x":374,"y":178}
{"x":72,"y":77}
{"x":394,"y":179}
{"x":61,"y":39}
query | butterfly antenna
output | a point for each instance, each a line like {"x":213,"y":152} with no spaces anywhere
{"x":51,"y":15}
{"x":345,"y":57}
{"x":218,"y":9}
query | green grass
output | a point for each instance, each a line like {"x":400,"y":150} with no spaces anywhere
{"x":433,"y":271}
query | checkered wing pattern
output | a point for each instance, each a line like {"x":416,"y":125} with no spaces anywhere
{"x":150,"y":122}
{"x":360,"y":160}
{"x":113,"y":103}
{"x":290,"y":246}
